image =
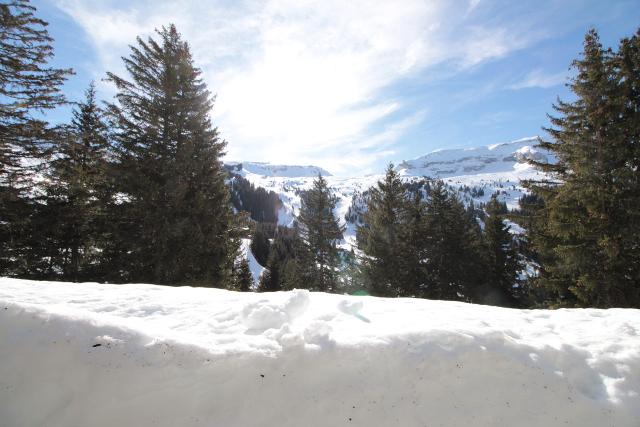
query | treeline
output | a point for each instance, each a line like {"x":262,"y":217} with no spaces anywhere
{"x":414,"y":241}
{"x":131,"y":190}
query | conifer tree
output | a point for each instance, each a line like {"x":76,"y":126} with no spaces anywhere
{"x":453,"y":248}
{"x":77,"y":187}
{"x":283,"y":269}
{"x":380,"y":238}
{"x":176,"y":207}
{"x":320,"y":232}
{"x":244,"y":278}
{"x":413,"y":247}
{"x":502,"y":257}
{"x":27,"y":86}
{"x":589,"y":233}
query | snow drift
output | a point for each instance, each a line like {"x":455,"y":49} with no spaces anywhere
{"x":140,"y":355}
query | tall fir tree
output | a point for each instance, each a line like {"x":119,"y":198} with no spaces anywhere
{"x":243,"y":276}
{"x":284,"y":266}
{"x":175,"y":206}
{"x":501,"y":256}
{"x":320,"y":232}
{"x":380,"y":238}
{"x":589,"y":235}
{"x":413,"y":248}
{"x":77,"y":192}
{"x":453,"y":248}
{"x":28,"y":86}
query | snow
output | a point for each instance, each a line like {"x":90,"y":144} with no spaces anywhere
{"x":254,"y":265}
{"x":494,"y":158}
{"x":291,"y":171}
{"x":105,"y":355}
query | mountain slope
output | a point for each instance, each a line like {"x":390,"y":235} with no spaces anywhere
{"x":267,"y":169}
{"x":497,"y":158}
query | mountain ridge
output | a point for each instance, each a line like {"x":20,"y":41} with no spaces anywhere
{"x":441,"y":163}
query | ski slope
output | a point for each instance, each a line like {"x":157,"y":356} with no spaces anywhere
{"x":93,"y":355}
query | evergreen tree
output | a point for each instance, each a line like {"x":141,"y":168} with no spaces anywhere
{"x":453,"y":248}
{"x":501,"y":256}
{"x":283,"y":270}
{"x":78,"y":188}
{"x":292,"y":276}
{"x":28,"y":86}
{"x":380,"y":238}
{"x":320,"y":232}
{"x":175,"y":205}
{"x":413,"y":248}
{"x":244,"y":278}
{"x":589,"y":235}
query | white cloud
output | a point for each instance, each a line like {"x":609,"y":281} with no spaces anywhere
{"x":541,"y":79}
{"x":302,"y":80}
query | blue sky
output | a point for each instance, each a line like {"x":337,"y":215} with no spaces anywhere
{"x":352,"y":85}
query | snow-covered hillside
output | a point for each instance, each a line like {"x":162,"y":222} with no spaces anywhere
{"x":475,"y":173}
{"x":95,"y":355}
{"x":498,"y":158}
{"x":268,"y":169}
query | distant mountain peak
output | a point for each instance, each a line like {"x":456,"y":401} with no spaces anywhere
{"x":271,"y":170}
{"x":502,"y":157}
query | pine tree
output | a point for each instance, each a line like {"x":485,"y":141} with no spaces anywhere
{"x":292,"y":276}
{"x":380,"y":238}
{"x":501,"y":256}
{"x":77,"y":186}
{"x":28,"y":86}
{"x":176,"y":207}
{"x":320,"y":232}
{"x":283,"y":270}
{"x":453,"y":248}
{"x":413,"y":248}
{"x":244,"y":278}
{"x":589,"y":236}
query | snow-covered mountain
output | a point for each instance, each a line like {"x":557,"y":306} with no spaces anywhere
{"x":475,"y":173}
{"x":496,"y":158}
{"x":267,"y":169}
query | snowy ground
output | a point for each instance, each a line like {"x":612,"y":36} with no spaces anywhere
{"x":140,"y":355}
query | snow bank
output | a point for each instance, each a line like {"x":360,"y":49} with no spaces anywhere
{"x":140,"y":355}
